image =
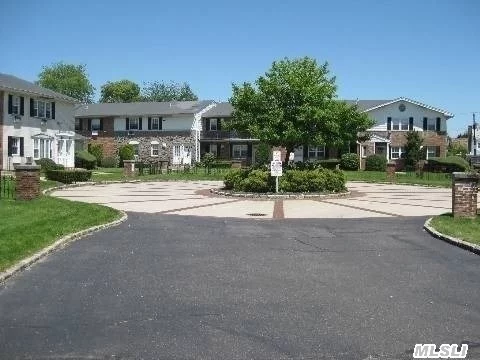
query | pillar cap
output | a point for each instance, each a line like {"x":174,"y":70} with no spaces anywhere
{"x":465,"y":175}
{"x":27,"y":167}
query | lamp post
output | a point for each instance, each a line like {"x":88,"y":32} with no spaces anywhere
{"x":474,"y":127}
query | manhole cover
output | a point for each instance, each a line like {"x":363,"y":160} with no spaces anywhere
{"x":256,"y":214}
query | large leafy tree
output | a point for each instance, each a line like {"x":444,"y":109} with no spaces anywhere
{"x":123,"y":91}
{"x":294,"y":104}
{"x":172,"y":91}
{"x":68,"y":79}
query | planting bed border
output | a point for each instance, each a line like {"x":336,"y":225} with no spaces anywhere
{"x":229,"y":193}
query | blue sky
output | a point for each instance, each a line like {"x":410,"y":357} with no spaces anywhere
{"x":428,"y":50}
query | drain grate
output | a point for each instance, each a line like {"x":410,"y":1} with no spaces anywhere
{"x":256,"y":214}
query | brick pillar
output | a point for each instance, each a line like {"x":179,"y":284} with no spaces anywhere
{"x":27,"y":182}
{"x":464,"y":194}
{"x":129,"y":168}
{"x":391,"y":171}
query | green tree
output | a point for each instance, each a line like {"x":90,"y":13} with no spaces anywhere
{"x":68,"y":79}
{"x":160,"y":91}
{"x":413,"y":148}
{"x":457,"y":149}
{"x":123,"y":91}
{"x":294,"y":104}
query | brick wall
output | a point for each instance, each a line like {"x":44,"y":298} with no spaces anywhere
{"x":464,"y":195}
{"x":27,"y":182}
{"x":110,"y":147}
{"x":1,"y":128}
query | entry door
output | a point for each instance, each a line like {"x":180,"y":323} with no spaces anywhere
{"x":61,"y":152}
{"x":381,"y":148}
{"x":187,"y":154}
{"x":177,"y":154}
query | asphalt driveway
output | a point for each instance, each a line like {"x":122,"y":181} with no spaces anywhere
{"x":165,"y":286}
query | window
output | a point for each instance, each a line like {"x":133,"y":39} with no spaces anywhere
{"x":316,"y":152}
{"x":42,"y":109}
{"x":95,"y":124}
{"x":15,"y":105}
{"x":41,"y":148}
{"x":48,"y":110}
{"x":154,"y":149}
{"x":240,"y":151}
{"x":431,"y":124}
{"x":133,"y":125}
{"x":212,"y":148}
{"x":397,"y":152}
{"x":431,"y":151}
{"x":78,"y":124}
{"x":155,"y":123}
{"x":213,"y":124}
{"x":15,"y":146}
{"x":400,"y":124}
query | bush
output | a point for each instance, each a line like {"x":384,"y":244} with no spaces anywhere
{"x":85,"y":160}
{"x":262,"y":154}
{"x":327,"y":164}
{"x":126,"y":152}
{"x":257,"y":181}
{"x":110,"y":162}
{"x":448,"y":164}
{"x":69,"y":176}
{"x":318,"y":180}
{"x":208,"y":159}
{"x":376,"y":163}
{"x":233,"y":178}
{"x":349,"y":161}
{"x":48,"y":164}
{"x":97,"y":151}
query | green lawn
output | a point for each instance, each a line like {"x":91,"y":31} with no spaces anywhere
{"x":433,"y":179}
{"x":465,"y":229}
{"x":28,"y":226}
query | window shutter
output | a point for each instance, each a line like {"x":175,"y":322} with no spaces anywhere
{"x":127,"y":124}
{"x":305,"y":152}
{"x":218,"y":150}
{"x":219,"y":124}
{"x":410,"y":123}
{"x":10,"y":103}
{"x":207,"y":125}
{"x":149,"y":123}
{"x":80,"y":124}
{"x":437,"y":151}
{"x":21,"y":147}
{"x":53,"y":110}
{"x":249,"y":151}
{"x":437,"y":127}
{"x":231,"y":150}
{"x":22,"y":105}
{"x":389,"y":123}
{"x":139,"y":123}
{"x":425,"y":124}
{"x":10,"y":143}
{"x":389,"y":152}
{"x":89,"y":124}
{"x":327,"y":152}
{"x":160,"y":123}
{"x":32,"y":112}
{"x":101,"y":124}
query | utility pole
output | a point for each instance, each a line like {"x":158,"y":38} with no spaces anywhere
{"x":474,"y":127}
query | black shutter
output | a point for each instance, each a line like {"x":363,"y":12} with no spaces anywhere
{"x":305,"y":152}
{"x":127,"y":124}
{"x":231,"y":151}
{"x":249,"y":151}
{"x":410,"y":123}
{"x":160,"y":125}
{"x":437,"y":127}
{"x":437,"y":151}
{"x":207,"y":124}
{"x":10,"y":144}
{"x":89,"y":124}
{"x":149,"y":123}
{"x":21,"y":147}
{"x":389,"y":123}
{"x":22,"y":105}
{"x":10,"y":103}
{"x":32,"y":110}
{"x":389,"y":152}
{"x":53,"y":110}
{"x":219,"y":124}
{"x":139,"y":123}
{"x":101,"y":124}
{"x":80,"y":124}
{"x":327,"y":152}
{"x":425,"y":124}
{"x":218,"y":150}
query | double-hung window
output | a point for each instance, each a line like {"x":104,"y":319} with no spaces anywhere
{"x":397,"y":152}
{"x":133,"y":124}
{"x":431,"y":152}
{"x":431,"y":124}
{"x":42,"y":109}
{"x":213,"y":125}
{"x":95,"y":124}
{"x":400,"y":124}
{"x":15,"y":146}
{"x":15,"y":105}
{"x":240,"y":151}
{"x":155,"y":123}
{"x":316,"y":152}
{"x":154,"y":149}
{"x":78,"y":124}
{"x":41,"y":148}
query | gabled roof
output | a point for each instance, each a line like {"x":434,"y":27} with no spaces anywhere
{"x":142,"y":108}
{"x":223,"y":109}
{"x":15,"y":84}
{"x":364,"y":105}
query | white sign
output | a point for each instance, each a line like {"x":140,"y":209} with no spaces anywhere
{"x":276,"y":168}
{"x":291,"y":157}
{"x":277,"y":155}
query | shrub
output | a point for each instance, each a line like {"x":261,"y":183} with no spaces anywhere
{"x":349,"y":161}
{"x":376,"y":163}
{"x":262,"y":154}
{"x":126,"y":152}
{"x":256,"y":181}
{"x":448,"y":164}
{"x":233,"y":178}
{"x":69,"y":176}
{"x":208,"y":159}
{"x":97,"y":151}
{"x":83,"y":159}
{"x":318,"y":180}
{"x":48,"y":164}
{"x":110,"y":162}
{"x":326,"y":164}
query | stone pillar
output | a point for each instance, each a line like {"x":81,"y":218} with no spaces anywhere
{"x":464,"y":194}
{"x":129,"y":168}
{"x":391,"y":171}
{"x":27,"y":182}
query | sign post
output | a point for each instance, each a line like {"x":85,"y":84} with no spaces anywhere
{"x":276,"y":168}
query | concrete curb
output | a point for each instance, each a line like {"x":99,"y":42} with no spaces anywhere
{"x":450,"y":239}
{"x":279,"y":196}
{"x":60,"y":243}
{"x":398,"y":183}
{"x":86,"y":183}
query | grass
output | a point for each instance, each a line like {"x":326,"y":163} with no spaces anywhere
{"x":28,"y":226}
{"x":433,"y":179}
{"x":461,"y":228}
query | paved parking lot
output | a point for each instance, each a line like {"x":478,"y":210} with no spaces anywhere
{"x":183,"y":198}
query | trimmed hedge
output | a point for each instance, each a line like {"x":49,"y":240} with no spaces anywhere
{"x":233,"y":178}
{"x":69,"y":176}
{"x":448,"y":164}
{"x":349,"y":161}
{"x":376,"y":163}
{"x":85,"y":160}
{"x":110,"y":162}
{"x":48,"y":164}
{"x":126,"y":152}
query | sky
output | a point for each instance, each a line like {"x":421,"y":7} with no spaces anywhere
{"x":426,"y":50}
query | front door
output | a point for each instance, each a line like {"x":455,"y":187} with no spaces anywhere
{"x":381,"y":148}
{"x":177,"y":154}
{"x":61,"y":152}
{"x":187,"y":155}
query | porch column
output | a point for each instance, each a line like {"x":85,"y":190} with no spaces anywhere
{"x":388,"y":151}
